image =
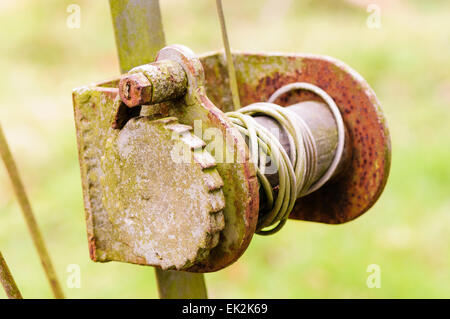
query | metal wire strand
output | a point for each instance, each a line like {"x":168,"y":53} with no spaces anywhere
{"x":229,"y":57}
{"x":295,"y":172}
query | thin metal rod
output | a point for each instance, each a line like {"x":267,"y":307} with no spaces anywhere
{"x":139,"y":37}
{"x":33,"y":228}
{"x":231,"y":71}
{"x":7,"y":280}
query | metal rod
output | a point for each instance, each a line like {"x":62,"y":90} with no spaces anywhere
{"x":7,"y":280}
{"x":180,"y":285}
{"x":33,"y":228}
{"x":231,"y":72}
{"x":138,"y":31}
{"x":155,"y":83}
{"x":139,"y":37}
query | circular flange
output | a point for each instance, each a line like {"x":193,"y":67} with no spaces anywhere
{"x":358,"y":187}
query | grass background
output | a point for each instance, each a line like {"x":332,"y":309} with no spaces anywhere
{"x":406,"y":61}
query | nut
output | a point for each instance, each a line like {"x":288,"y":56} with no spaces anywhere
{"x":135,"y":89}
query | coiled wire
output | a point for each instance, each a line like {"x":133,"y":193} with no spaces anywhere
{"x":295,"y":171}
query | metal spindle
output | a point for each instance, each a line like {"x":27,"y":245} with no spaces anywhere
{"x":33,"y":227}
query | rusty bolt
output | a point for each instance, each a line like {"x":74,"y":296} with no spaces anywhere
{"x":153,"y":83}
{"x":135,"y":89}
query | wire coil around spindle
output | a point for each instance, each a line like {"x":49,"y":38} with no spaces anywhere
{"x":295,"y":171}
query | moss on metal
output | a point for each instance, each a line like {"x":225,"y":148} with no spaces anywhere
{"x":95,"y":111}
{"x":259,"y":76}
{"x":169,"y":213}
{"x":141,"y":206}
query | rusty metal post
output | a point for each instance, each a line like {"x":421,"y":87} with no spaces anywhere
{"x":7,"y":280}
{"x":180,"y":285}
{"x":139,"y":36}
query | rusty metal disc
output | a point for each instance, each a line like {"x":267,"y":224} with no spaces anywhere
{"x":361,"y":183}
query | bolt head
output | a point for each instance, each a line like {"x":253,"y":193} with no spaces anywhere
{"x":135,"y":89}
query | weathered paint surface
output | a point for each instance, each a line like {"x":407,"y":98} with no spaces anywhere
{"x":361,"y":183}
{"x":139,"y":36}
{"x":162,"y":192}
{"x":141,"y":207}
{"x":138,"y":31}
{"x":241,"y":187}
{"x":168,"y":81}
{"x":354,"y":191}
{"x":94,"y":112}
{"x":101,"y":119}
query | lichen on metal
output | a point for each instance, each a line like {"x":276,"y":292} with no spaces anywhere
{"x":124,"y":157}
{"x":169,"y":81}
{"x":169,"y":213}
{"x":138,"y":31}
{"x":96,"y":112}
{"x":241,"y":189}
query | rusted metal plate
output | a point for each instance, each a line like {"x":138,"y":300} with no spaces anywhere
{"x":361,"y":183}
{"x":94,"y":113}
{"x":100,"y":117}
{"x":241,"y":189}
{"x":162,"y":193}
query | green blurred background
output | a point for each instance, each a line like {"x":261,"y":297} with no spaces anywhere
{"x":406,"y":61}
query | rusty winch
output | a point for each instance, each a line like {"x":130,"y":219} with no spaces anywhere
{"x":172,"y":179}
{"x":177,"y":175}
